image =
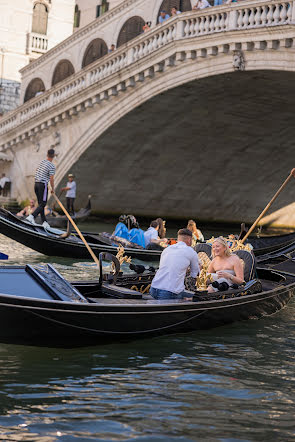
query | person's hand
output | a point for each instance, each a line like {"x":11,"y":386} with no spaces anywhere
{"x":53,"y":191}
{"x":293,"y":172}
{"x":222,"y":274}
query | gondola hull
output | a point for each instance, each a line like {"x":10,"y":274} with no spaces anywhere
{"x":37,"y":238}
{"x":52,"y":244}
{"x":54,"y":323}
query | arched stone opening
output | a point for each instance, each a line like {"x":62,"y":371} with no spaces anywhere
{"x":131,"y":29}
{"x":180,"y":5}
{"x":40,"y":18}
{"x":207,"y":155}
{"x":63,"y":70}
{"x":35,"y":87}
{"x":95,"y":50}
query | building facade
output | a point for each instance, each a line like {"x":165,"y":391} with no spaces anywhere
{"x":88,"y":10}
{"x":28,"y":28}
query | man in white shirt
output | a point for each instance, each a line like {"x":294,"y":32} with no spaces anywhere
{"x":175,"y":260}
{"x":151,"y":236}
{"x":71,"y":193}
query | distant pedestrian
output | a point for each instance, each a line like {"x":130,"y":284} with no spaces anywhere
{"x":3,"y":180}
{"x":71,"y":193}
{"x":147,"y":26}
{"x":163,"y":16}
{"x":174,"y":12}
{"x":112,"y":48}
{"x":44,"y":174}
{"x":202,"y":4}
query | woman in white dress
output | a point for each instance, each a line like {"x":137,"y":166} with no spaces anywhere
{"x":226,"y":267}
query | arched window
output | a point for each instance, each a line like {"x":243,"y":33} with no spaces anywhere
{"x":35,"y":87}
{"x":63,"y":70}
{"x":77,"y":17}
{"x":180,"y":5}
{"x":95,"y":50}
{"x":101,"y":9}
{"x":40,"y":18}
{"x":131,"y":29}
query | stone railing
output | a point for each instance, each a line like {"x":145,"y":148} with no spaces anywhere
{"x":37,"y":43}
{"x":235,"y":17}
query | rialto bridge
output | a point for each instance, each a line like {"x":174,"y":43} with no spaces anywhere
{"x":194,"y":118}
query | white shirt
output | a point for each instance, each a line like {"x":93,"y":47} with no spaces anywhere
{"x":202,"y":4}
{"x":4,"y":180}
{"x":150,"y":234}
{"x":71,"y":193}
{"x":173,"y":266}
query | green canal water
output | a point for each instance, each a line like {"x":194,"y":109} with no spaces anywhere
{"x":233,"y":383}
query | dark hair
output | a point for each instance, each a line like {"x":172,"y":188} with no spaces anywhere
{"x":51,"y":153}
{"x":162,"y":229}
{"x":185,"y":232}
{"x":154,"y":223}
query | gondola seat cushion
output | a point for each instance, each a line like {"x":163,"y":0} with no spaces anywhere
{"x":249,"y":264}
{"x":204,"y":247}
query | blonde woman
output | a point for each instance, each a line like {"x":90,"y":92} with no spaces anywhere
{"x":197,"y":234}
{"x":226,"y":268}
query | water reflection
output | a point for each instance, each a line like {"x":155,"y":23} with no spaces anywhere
{"x":229,"y":383}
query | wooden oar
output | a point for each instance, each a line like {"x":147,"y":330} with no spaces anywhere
{"x":95,"y":259}
{"x":53,"y":207}
{"x":267,"y":207}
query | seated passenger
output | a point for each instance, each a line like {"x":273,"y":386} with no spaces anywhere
{"x":175,"y":260}
{"x":28,"y":210}
{"x":152,"y":239}
{"x":136,"y":234}
{"x":121,"y":228}
{"x":162,"y":228}
{"x":225,"y":268}
{"x":197,"y":234}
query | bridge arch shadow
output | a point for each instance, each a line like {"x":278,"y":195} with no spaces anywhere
{"x":214,"y":148}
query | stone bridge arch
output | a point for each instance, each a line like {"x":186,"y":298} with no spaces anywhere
{"x":166,"y":150}
{"x":204,"y":85}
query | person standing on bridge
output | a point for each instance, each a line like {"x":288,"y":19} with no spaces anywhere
{"x":44,"y":174}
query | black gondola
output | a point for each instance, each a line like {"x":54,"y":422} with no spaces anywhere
{"x":52,"y":243}
{"x":61,"y":221}
{"x":39,"y":307}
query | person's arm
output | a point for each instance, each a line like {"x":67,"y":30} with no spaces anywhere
{"x":211,"y":268}
{"x":194,"y":265}
{"x":64,"y":188}
{"x":239,"y":272}
{"x":22,"y":212}
{"x":52,"y":183}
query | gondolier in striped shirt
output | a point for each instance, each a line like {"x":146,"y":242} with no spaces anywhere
{"x":44,"y":174}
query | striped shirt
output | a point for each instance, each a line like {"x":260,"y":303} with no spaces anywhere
{"x":45,"y":170}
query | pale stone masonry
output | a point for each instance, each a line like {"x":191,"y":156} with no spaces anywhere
{"x":9,"y":95}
